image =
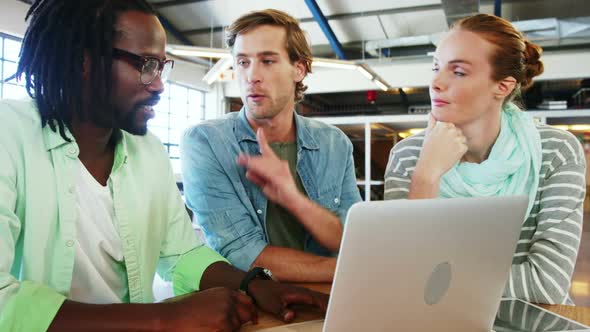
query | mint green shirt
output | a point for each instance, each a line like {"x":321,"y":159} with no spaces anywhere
{"x":38,"y":215}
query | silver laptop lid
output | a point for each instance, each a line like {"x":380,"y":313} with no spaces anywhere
{"x":424,"y":265}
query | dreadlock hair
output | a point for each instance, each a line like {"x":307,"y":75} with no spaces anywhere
{"x":60,"y":34}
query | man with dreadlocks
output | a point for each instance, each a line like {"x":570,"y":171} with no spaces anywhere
{"x":89,"y":208}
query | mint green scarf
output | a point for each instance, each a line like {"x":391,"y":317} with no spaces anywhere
{"x":511,"y":169}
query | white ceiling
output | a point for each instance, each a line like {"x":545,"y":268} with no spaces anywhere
{"x":203,"y":14}
{"x":373,"y":20}
{"x":220,"y":13}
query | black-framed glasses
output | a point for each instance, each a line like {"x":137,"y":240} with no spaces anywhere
{"x":148,"y":67}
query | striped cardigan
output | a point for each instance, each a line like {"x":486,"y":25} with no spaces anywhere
{"x":546,"y":252}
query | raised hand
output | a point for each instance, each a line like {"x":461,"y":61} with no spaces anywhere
{"x":444,"y":145}
{"x":270,"y":173}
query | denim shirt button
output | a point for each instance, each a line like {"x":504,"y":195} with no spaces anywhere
{"x":259,"y":211}
{"x":336,"y":200}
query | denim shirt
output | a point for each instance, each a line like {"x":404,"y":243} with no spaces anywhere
{"x":231,"y":209}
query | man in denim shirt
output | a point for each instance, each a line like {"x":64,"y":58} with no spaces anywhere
{"x":279,"y":205}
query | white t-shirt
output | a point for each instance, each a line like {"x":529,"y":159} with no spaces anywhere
{"x":99,"y":275}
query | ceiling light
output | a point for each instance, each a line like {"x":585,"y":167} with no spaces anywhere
{"x":579,"y":127}
{"x":562,"y":127}
{"x":365,"y":72}
{"x":381,"y":85}
{"x":221,"y":66}
{"x":415,"y":131}
{"x":225,"y":62}
{"x":333,"y":63}
{"x":205,"y":52}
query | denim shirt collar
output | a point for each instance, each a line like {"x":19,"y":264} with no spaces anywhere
{"x":244,"y":131}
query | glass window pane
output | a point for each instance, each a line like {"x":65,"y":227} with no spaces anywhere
{"x":175,"y":165}
{"x":176,"y":136}
{"x":11,"y":49}
{"x":178,"y":108}
{"x":178,"y":93}
{"x":161,"y":133}
{"x":178,"y":122}
{"x":195,"y":98}
{"x":160,"y":120}
{"x":195,"y":111}
{"x":193,"y":121}
{"x":174,"y":151}
{"x":164,"y":96}
{"x":9,"y":70}
{"x":12,"y":91}
{"x":163,"y":106}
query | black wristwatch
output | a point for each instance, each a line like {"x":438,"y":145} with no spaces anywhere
{"x":257,"y":272}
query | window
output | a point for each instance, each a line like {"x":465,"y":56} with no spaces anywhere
{"x":179,"y":108}
{"x":9,"y":56}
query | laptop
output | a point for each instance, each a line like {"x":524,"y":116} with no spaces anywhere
{"x":422,"y":265}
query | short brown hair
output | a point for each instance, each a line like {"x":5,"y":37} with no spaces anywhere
{"x":513,"y":55}
{"x":297,"y":46}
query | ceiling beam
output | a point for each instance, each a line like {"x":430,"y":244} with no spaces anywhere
{"x":318,"y":15}
{"x":458,"y":9}
{"x":336,"y":17}
{"x":174,"y":31}
{"x":390,"y":11}
{"x":171,"y":3}
{"x":498,"y":8}
{"x":165,"y":22}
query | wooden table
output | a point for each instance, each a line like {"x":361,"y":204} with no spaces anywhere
{"x":266,"y":320}
{"x":579,"y":314}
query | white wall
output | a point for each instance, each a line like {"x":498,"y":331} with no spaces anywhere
{"x":189,"y":74}
{"x":215,"y":105}
{"x":12,"y":17}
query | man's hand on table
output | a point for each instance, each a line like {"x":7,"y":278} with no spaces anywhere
{"x":214,"y":309}
{"x":278,"y":299}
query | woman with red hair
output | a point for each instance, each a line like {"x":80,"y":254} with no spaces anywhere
{"x":480,"y":143}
